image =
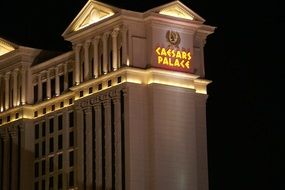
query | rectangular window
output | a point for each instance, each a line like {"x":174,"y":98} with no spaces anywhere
{"x":43,"y":129}
{"x":44,"y":90}
{"x":37,"y":150}
{"x":36,"y":169}
{"x":71,"y":119}
{"x":71,"y":159}
{"x":51,"y":124}
{"x":50,"y":183}
{"x":61,"y":84}
{"x":59,"y":182}
{"x":59,"y":119}
{"x":37,"y":131}
{"x":51,"y":149}
{"x":51,"y":164}
{"x":43,"y":184}
{"x":71,"y":179}
{"x":36,"y":94}
{"x":59,"y":142}
{"x":71,"y":139}
{"x":43,"y":167}
{"x":70,"y":79}
{"x":59,"y":161}
{"x":43,"y":148}
{"x":52,"y":86}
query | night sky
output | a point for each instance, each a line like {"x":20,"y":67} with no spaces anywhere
{"x":243,"y":58}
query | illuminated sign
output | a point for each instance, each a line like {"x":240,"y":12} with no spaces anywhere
{"x":173,"y":58}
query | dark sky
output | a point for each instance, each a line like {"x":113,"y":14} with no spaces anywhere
{"x":243,"y":59}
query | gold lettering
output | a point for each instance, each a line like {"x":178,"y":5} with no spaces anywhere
{"x":170,"y":63}
{"x":165,"y":61}
{"x":181,"y":63}
{"x":169,"y":52}
{"x":184,"y":54}
{"x":176,"y":63}
{"x":189,"y":56}
{"x":173,"y":53}
{"x":178,"y":54}
{"x":163,"y":51}
{"x":187,"y":64}
{"x":159,"y":59}
{"x":158,"y":51}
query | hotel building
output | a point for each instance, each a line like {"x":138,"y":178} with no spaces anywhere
{"x":124,"y":109}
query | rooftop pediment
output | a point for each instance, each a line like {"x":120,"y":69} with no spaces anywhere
{"x":178,"y":10}
{"x":6,"y":46}
{"x":92,"y":13}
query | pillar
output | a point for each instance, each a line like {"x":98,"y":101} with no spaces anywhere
{"x":89,"y":156}
{"x":105,"y":52}
{"x":14,"y":134}
{"x":23,"y":95}
{"x":77,"y":64}
{"x":99,"y":156}
{"x":65,"y":73}
{"x":7,"y":90}
{"x":96,"y":56}
{"x":124,"y":45}
{"x":15,"y":87}
{"x":57,"y":92}
{"x":1,"y":95}
{"x":115,"y":48}
{"x":40,"y":95}
{"x":48,"y":84}
{"x":80,"y":148}
{"x":108,"y":143}
{"x":86,"y":60}
{"x":6,"y":154}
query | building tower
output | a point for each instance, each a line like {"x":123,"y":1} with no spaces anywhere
{"x":125,"y":109}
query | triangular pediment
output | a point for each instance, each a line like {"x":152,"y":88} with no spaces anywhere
{"x":6,"y":46}
{"x":178,"y":10}
{"x":92,"y":13}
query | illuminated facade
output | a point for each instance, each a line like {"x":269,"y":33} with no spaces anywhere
{"x":124,"y":109}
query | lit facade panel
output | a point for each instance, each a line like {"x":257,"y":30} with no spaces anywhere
{"x":124,"y":109}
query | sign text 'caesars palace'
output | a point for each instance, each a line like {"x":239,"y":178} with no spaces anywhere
{"x":173,"y":58}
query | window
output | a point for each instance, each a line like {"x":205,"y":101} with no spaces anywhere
{"x":43,"y":129}
{"x":109,"y":83}
{"x":59,"y":161}
{"x":50,"y":183}
{"x":100,"y":86}
{"x":71,"y":119}
{"x":61,"y":104}
{"x":44,"y":111}
{"x":59,"y":142}
{"x":71,"y":179}
{"x":71,"y":139}
{"x":17,"y":115}
{"x":43,"y":167}
{"x":36,"y":185}
{"x":119,"y":79}
{"x":51,"y":164}
{"x":59,"y":122}
{"x":44,"y":90}
{"x":37,"y":150}
{"x":81,"y":93}
{"x":36,"y":94}
{"x":52,"y":84}
{"x":36,"y":114}
{"x":70,"y":101}
{"x":8,"y":118}
{"x":43,"y":184}
{"x":71,"y":159}
{"x":51,"y":145}
{"x":51,"y":125}
{"x":90,"y":90}
{"x":61,"y":84}
{"x":59,"y":184}
{"x":36,"y":169}
{"x":37,"y":131}
{"x":43,"y":148}
{"x":70,"y":79}
{"x":52,"y":107}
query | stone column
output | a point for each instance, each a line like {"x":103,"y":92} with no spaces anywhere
{"x":105,"y":52}
{"x":115,"y":48}
{"x":65,"y":73}
{"x":57,"y":92}
{"x":48,"y":84}
{"x":23,"y":74}
{"x":14,"y":134}
{"x":6,"y":157}
{"x":86,"y":60}
{"x":40,"y":95}
{"x":118,"y":145}
{"x":15,"y":87}
{"x":124,"y":45}
{"x":96,"y":56}
{"x":108,"y":143}
{"x":80,"y":147}
{"x":77,"y":63}
{"x":89,"y":173}
{"x":7,"y":90}
{"x":99,"y":156}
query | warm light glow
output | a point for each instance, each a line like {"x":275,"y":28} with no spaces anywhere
{"x":5,"y":47}
{"x":128,"y":62}
{"x":176,"y":11}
